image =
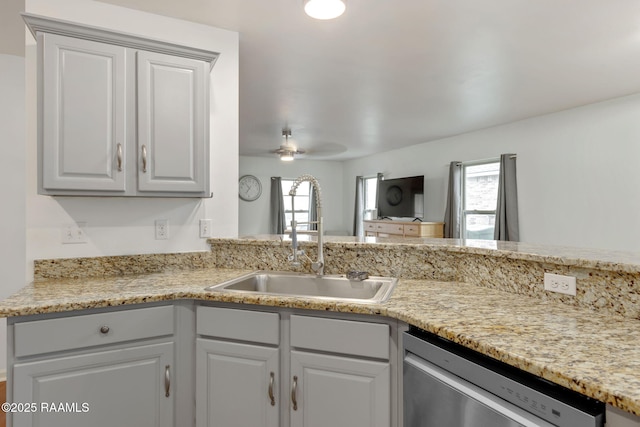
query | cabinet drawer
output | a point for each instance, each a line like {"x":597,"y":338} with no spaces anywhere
{"x":68,"y":333}
{"x":239,"y":325}
{"x":340,"y":336}
{"x":389,"y":228}
{"x":412,"y":230}
{"x":369,"y":226}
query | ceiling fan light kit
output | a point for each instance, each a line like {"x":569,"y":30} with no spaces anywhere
{"x":324,"y":9}
{"x":287,"y":151}
{"x":286,"y":155}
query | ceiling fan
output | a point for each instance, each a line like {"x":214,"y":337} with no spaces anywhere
{"x":287,"y":150}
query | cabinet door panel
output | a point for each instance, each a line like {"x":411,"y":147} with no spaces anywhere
{"x":83,"y":96}
{"x":232,"y":386}
{"x":171,"y":123}
{"x":120,"y":388}
{"x":340,"y":391}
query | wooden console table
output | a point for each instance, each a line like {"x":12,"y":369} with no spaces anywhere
{"x":386,"y":228}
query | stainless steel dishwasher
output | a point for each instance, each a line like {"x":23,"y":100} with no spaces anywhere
{"x":448,"y":385}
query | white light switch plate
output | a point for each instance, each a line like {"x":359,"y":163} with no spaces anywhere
{"x":205,"y":228}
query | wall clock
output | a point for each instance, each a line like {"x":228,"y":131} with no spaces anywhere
{"x":249,"y":188}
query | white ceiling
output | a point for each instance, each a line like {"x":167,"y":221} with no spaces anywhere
{"x":393,"y":73}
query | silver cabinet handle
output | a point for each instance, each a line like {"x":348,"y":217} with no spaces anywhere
{"x":104,"y":329}
{"x":271,"y":396}
{"x":119,"y":157}
{"x":294,"y":392}
{"x":144,"y":159}
{"x":167,"y":380}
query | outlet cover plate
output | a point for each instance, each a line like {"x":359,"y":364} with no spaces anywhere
{"x":74,"y":233}
{"x":560,"y":284}
{"x":162,"y":229}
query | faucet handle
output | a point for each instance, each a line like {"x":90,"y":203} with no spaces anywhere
{"x":357,"y":275}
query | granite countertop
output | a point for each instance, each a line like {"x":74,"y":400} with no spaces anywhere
{"x":589,"y":352}
{"x":619,"y":261}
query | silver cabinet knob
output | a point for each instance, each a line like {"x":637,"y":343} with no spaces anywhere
{"x":104,"y":329}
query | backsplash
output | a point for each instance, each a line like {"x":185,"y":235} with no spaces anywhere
{"x":78,"y":268}
{"x":603,"y":283}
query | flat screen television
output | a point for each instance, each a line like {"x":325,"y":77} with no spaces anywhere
{"x":401,"y":197}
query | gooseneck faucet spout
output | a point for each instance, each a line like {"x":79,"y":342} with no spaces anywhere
{"x":318,"y":265}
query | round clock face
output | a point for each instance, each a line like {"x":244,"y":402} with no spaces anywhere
{"x":394,"y":195}
{"x":249,"y":188}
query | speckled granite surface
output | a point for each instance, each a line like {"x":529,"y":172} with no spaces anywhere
{"x":589,"y":352}
{"x":120,"y":265}
{"x":611,"y":286}
{"x":488,"y":296}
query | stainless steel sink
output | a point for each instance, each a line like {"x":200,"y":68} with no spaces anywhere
{"x":328,"y":287}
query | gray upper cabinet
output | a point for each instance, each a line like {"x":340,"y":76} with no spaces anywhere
{"x":120,"y":115}
{"x":172,"y":113}
{"x":83,"y":115}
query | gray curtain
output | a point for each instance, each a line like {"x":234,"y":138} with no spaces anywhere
{"x":453,"y":211}
{"x":380,"y":176}
{"x":506,"y":227}
{"x":358,"y":208}
{"x":313,"y":211}
{"x":277,"y":224}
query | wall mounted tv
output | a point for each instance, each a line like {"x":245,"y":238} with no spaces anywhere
{"x":401,"y":197}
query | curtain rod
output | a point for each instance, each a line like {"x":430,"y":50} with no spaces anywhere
{"x":513,"y":156}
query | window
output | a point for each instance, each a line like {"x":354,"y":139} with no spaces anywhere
{"x":479,"y":198}
{"x":370,"y":186}
{"x":300,"y":204}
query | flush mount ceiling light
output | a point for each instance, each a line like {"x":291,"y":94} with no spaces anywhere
{"x":286,"y":150}
{"x":324,"y":9}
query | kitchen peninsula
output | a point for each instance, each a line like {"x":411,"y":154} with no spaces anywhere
{"x":487,"y":296}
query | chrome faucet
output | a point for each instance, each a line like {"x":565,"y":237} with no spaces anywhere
{"x":318,"y":265}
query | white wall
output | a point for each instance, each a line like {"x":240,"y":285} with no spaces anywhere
{"x":254,"y":216}
{"x":578,"y":173}
{"x":117,"y":226}
{"x":12,"y":210}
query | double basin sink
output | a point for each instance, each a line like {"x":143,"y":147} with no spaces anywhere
{"x":329,"y":287}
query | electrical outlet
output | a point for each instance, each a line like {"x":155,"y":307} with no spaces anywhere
{"x":205,"y":228}
{"x":559,"y":283}
{"x":162,"y":229}
{"x":74,"y":233}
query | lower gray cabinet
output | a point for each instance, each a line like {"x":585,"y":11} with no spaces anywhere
{"x":162,"y":366}
{"x":340,"y":373}
{"x":236,"y":384}
{"x":339,"y":391}
{"x":124,"y":387}
{"x":265,"y":369}
{"x":101,"y":369}
{"x":237,"y":368}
